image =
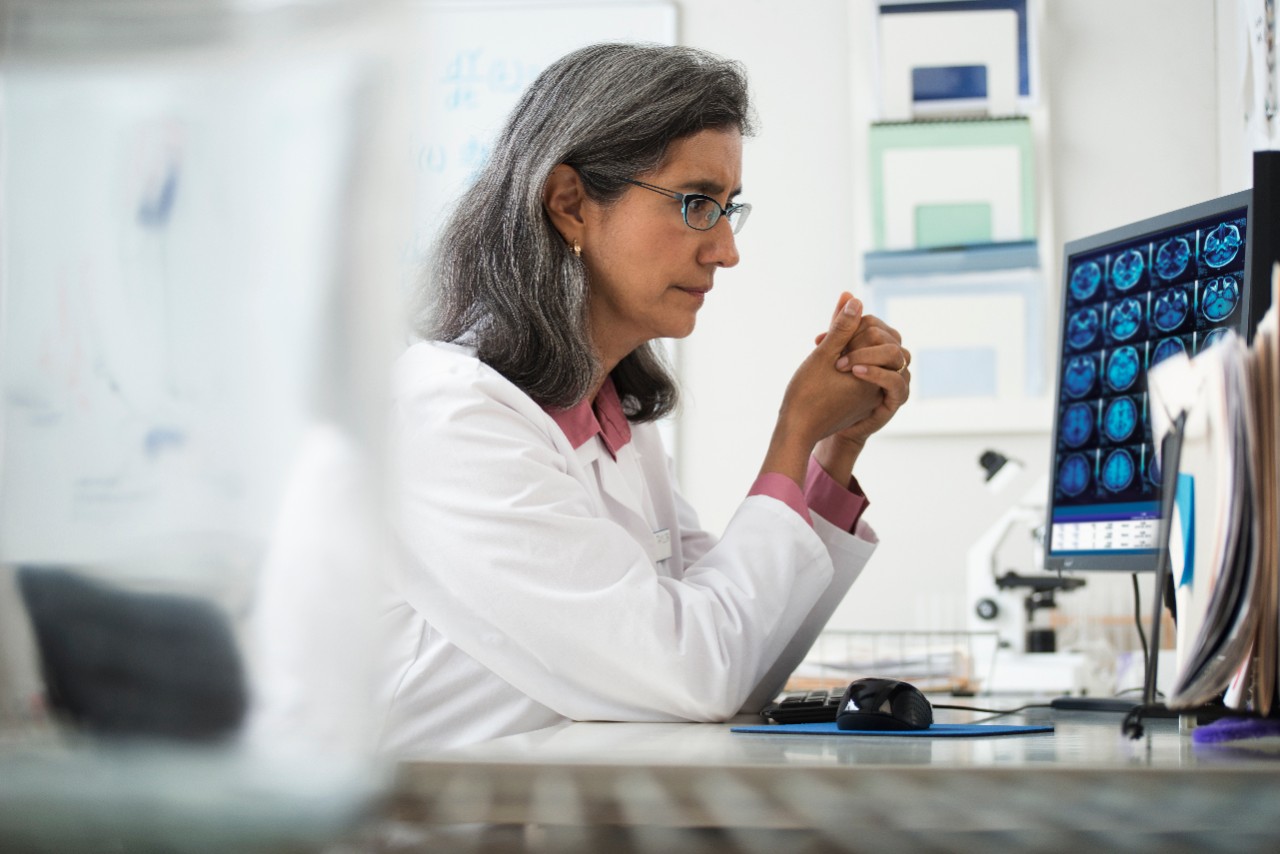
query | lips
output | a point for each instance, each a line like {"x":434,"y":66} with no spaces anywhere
{"x":696,"y":292}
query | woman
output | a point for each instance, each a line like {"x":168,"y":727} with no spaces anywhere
{"x":550,"y":569}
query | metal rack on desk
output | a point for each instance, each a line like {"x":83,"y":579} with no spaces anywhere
{"x":937,"y":661}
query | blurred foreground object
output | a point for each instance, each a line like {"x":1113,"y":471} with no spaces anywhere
{"x":201,"y":224}
{"x":134,"y":664}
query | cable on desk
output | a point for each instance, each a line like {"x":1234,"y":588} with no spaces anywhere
{"x":994,"y":713}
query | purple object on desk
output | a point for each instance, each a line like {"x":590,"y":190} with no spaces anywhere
{"x":1235,"y":729}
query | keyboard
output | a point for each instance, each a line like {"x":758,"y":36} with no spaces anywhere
{"x":804,"y":707}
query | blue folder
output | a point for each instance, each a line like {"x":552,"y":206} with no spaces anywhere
{"x":935,"y":731}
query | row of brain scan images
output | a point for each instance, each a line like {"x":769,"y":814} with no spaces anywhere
{"x":1123,"y":369}
{"x":1106,"y":422}
{"x":1196,"y":254}
{"x":1126,"y":473}
{"x":1198,"y":306}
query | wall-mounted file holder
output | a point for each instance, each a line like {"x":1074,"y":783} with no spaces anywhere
{"x":976,"y":316}
{"x":945,"y":71}
{"x":942,"y":183}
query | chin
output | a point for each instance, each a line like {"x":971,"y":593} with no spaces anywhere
{"x":683,"y":332}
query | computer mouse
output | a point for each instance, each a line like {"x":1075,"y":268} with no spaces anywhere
{"x":883,"y":704}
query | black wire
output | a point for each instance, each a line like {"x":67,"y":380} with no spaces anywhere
{"x":1137,"y":621}
{"x":994,"y":713}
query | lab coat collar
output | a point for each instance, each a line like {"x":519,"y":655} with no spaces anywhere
{"x":602,"y":416}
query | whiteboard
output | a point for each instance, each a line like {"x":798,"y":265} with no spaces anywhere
{"x":475,"y":61}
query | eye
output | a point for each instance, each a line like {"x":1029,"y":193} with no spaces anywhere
{"x":701,"y":211}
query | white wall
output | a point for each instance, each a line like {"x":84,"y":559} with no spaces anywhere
{"x":1131,"y":100}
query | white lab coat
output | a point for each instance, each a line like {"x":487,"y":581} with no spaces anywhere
{"x":532,"y":586}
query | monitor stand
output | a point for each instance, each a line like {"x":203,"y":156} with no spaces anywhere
{"x":1109,"y":704}
{"x":1093,"y":704}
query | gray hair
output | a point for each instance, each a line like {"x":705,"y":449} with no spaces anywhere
{"x":503,"y":277}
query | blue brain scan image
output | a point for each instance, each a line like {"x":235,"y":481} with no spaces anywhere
{"x":1073,"y":476}
{"x":1166,"y":348}
{"x":1077,"y":424}
{"x":1172,"y":258}
{"x":1221,"y":245}
{"x":1118,"y":471}
{"x":1220,"y":298}
{"x":1122,"y":368}
{"x":1127,"y":269}
{"x":1213,"y":338}
{"x":1125,"y":319}
{"x":1083,"y":327}
{"x":1078,"y":376}
{"x":1170,"y":309}
{"x":1085,"y":280}
{"x":1120,"y":419}
{"x":1153,"y":470}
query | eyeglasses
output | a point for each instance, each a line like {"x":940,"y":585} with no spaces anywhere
{"x":702,"y":212}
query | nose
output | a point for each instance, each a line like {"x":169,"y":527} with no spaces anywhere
{"x":720,"y":248}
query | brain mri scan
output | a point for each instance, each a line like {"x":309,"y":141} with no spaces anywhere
{"x":1125,"y":319}
{"x":1122,"y":368}
{"x":1082,"y":328}
{"x":1118,"y":470}
{"x":1153,"y":470}
{"x":1073,"y":476}
{"x":1085,"y":280}
{"x":1220,"y":298}
{"x":1166,"y":348}
{"x":1170,"y":309}
{"x":1120,"y":419}
{"x":1078,"y":376}
{"x":1221,"y":245}
{"x":1213,"y":338}
{"x":1127,"y":269}
{"x":1172,"y":258}
{"x":1077,"y":424}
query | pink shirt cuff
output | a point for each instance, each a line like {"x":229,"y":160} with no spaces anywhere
{"x":842,"y":506}
{"x":784,"y":489}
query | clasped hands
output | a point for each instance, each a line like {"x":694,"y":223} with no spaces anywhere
{"x":874,"y":354}
{"x":848,"y":387}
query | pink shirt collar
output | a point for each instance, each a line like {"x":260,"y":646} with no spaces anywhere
{"x":602,"y":416}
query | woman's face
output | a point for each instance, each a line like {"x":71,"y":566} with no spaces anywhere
{"x":649,"y":272}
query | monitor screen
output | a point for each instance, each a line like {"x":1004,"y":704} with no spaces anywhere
{"x":1131,"y":297}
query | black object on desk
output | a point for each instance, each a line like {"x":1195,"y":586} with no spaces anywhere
{"x":804,"y":707}
{"x":124,"y":663}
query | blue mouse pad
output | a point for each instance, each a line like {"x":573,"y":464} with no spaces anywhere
{"x":935,"y":731}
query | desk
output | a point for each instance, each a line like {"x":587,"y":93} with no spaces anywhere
{"x":680,"y":787}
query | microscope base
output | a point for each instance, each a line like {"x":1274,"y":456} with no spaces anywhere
{"x":1040,"y":673}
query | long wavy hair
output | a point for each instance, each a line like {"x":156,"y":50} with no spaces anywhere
{"x":501,"y":277}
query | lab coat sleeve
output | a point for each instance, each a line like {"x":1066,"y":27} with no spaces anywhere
{"x":506,"y":556}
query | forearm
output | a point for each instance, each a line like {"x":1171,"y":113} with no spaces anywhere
{"x":837,"y":456}
{"x":788,"y":453}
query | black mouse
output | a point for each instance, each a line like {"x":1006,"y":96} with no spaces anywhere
{"x":883,"y":704}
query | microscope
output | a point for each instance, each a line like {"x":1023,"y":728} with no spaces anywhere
{"x":1015,"y":605}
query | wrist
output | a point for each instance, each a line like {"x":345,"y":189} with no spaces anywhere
{"x":787,"y":455}
{"x":837,"y":456}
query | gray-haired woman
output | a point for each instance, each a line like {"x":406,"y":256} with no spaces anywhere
{"x":550,"y":569}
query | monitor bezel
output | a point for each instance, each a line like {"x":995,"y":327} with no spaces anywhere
{"x":1203,"y":210}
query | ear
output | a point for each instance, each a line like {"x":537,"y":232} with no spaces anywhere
{"x":562,"y":197}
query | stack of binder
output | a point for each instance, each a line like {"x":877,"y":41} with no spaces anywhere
{"x":1224,"y":542}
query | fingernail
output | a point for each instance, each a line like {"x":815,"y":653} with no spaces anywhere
{"x":860,"y":370}
{"x":852,"y":308}
{"x":842,"y":363}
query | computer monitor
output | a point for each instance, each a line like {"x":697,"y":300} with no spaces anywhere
{"x":1131,"y":297}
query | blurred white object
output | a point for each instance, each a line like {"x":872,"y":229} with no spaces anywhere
{"x":201,"y":222}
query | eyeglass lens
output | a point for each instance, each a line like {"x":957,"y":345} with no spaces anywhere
{"x":702,"y":212}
